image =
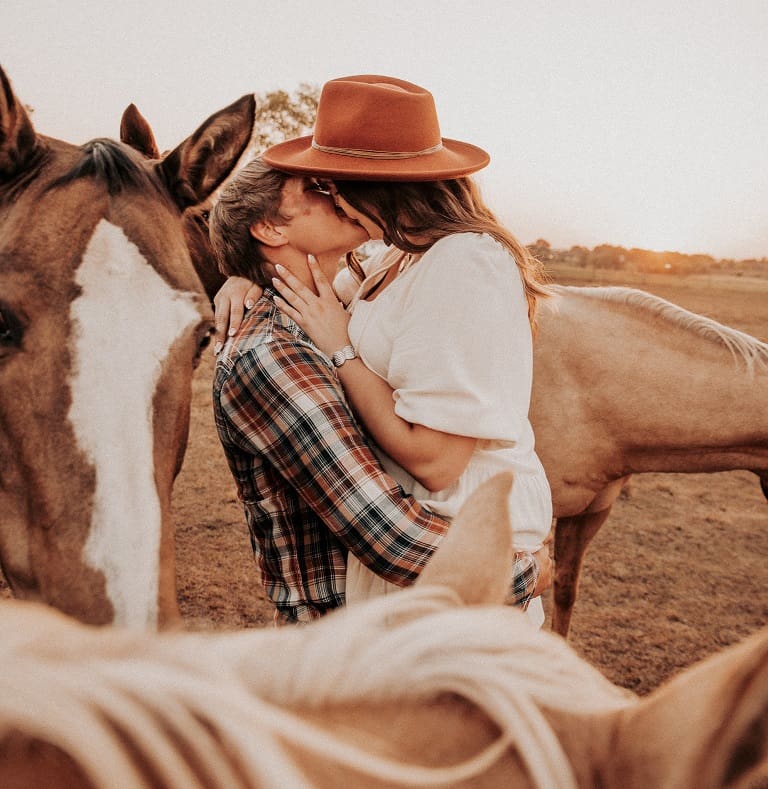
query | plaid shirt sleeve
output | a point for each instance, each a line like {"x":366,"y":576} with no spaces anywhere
{"x":285,"y":403}
{"x":525,"y":575}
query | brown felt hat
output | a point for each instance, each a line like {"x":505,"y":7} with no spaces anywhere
{"x":376,"y":128}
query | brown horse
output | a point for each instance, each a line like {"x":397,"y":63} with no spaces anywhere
{"x":136,"y":132}
{"x":102,"y":319}
{"x":438,"y":685}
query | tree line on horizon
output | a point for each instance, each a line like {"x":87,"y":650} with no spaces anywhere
{"x":608,"y":257}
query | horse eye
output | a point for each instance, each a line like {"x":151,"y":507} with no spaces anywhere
{"x":199,"y":218}
{"x":11,"y":328}
{"x":203,"y":343}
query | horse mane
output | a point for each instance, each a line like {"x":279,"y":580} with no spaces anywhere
{"x":242,"y":693}
{"x":750,"y":350}
{"x":110,"y":162}
{"x":364,"y":656}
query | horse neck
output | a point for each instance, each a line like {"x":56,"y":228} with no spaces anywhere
{"x":710,"y":408}
{"x":661,"y":393}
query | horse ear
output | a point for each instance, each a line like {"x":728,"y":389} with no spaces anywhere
{"x":136,"y":132}
{"x":18,"y":139}
{"x":707,"y":727}
{"x":475,"y":556}
{"x":203,"y":161}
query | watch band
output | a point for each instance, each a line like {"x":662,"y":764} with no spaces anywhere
{"x":339,"y":357}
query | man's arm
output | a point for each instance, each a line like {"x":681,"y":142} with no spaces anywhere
{"x":531,"y":575}
{"x":285,"y":403}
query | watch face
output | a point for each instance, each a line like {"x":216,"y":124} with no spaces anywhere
{"x":339,"y":357}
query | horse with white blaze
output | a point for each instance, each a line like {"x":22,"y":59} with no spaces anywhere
{"x":102,"y":320}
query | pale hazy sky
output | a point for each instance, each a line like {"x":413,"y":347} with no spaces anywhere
{"x":638,"y":123}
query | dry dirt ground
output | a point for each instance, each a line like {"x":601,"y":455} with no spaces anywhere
{"x":678,"y":572}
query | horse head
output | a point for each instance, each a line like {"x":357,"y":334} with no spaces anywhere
{"x":102,"y":320}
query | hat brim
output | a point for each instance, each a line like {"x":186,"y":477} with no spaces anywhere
{"x":454,"y":160}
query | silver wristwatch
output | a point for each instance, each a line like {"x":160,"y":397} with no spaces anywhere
{"x":339,"y":357}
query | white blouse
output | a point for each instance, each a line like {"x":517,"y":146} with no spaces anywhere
{"x":451,"y":336}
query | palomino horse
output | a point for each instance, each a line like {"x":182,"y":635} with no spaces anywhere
{"x":624,"y":383}
{"x":437,"y":685}
{"x":102,"y":319}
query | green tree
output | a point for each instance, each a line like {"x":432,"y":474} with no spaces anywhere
{"x":281,"y":116}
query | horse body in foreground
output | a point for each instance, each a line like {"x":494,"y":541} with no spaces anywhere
{"x":438,"y":685}
{"x":102,"y":318}
{"x":625,"y":383}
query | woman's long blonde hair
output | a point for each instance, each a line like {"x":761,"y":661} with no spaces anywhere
{"x":431,"y":210}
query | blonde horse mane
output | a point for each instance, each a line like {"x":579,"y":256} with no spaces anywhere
{"x":750,"y":350}
{"x":211,"y":695}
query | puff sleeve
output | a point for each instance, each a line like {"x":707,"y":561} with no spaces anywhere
{"x":462,"y":353}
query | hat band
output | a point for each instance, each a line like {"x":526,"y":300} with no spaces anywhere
{"x":365,"y":154}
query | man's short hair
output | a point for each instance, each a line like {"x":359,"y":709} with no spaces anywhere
{"x":253,"y":195}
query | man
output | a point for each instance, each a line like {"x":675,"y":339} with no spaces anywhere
{"x":311,"y":487}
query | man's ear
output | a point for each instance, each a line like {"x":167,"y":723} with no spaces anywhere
{"x":268,"y":233}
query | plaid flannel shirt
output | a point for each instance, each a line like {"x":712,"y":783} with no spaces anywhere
{"x":310,"y":485}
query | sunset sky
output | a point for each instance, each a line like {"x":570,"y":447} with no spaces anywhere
{"x":636,"y":124}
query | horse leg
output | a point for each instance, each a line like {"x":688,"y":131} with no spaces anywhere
{"x":572,"y":536}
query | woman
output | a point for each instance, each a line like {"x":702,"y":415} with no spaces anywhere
{"x":437,"y":357}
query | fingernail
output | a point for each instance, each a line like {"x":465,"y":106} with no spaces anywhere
{"x":279,"y":268}
{"x":249,"y":304}
{"x":217,"y":348}
{"x":230,"y":332}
